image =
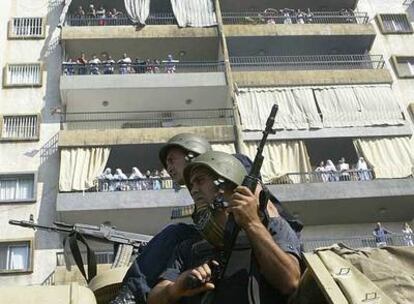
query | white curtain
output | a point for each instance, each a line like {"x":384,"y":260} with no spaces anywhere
{"x":137,"y":10}
{"x":64,"y":13}
{"x":389,"y":157}
{"x":80,"y":166}
{"x":18,"y":257}
{"x":358,"y":106}
{"x":224,"y":147}
{"x":297,"y":108}
{"x":16,"y":189}
{"x":281,"y":157}
{"x":194,"y":13}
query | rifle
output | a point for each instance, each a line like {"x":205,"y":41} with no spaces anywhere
{"x":127,"y":242}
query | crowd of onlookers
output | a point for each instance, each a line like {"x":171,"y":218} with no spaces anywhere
{"x":119,"y":181}
{"x":99,"y":12}
{"x":381,"y":235}
{"x":329,"y":172}
{"x":290,"y":16}
{"x":106,"y":65}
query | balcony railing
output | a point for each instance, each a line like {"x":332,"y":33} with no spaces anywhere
{"x":309,"y":62}
{"x":325,"y":177}
{"x":354,"y":242}
{"x":293,"y":17}
{"x":136,"y":184}
{"x":153,"y":19}
{"x":73,"y":68}
{"x":146,"y":119}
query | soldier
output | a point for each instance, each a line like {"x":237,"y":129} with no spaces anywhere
{"x":144,"y":272}
{"x":266,"y":266}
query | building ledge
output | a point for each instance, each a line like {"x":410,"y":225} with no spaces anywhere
{"x":313,"y":77}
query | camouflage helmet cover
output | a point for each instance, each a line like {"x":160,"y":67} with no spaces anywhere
{"x":189,"y":142}
{"x":224,"y":165}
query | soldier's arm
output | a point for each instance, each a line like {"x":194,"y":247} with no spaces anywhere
{"x":281,"y":269}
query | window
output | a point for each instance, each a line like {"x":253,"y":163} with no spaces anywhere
{"x":23,"y":75}
{"x":394,"y":24}
{"x":28,"y":27}
{"x":404,"y":66}
{"x":15,"y":256}
{"x":17,"y":188}
{"x":20,"y":127}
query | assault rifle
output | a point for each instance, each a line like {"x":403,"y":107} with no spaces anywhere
{"x":126,"y":242}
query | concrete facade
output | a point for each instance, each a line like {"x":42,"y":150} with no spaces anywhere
{"x":388,"y":200}
{"x":38,"y":156}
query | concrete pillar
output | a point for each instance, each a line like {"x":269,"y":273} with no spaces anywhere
{"x":238,"y":134}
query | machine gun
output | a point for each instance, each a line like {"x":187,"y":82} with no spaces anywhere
{"x":126,"y":242}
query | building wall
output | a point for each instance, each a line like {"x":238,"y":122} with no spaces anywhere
{"x":36,"y":156}
{"x":393,"y":44}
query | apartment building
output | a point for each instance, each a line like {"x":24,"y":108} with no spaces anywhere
{"x":341,"y":73}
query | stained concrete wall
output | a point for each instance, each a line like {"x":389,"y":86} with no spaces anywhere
{"x":39,"y":156}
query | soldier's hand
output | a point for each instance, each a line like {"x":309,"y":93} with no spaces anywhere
{"x":202,"y":273}
{"x":245,"y":206}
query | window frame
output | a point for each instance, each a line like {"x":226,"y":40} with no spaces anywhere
{"x":14,"y":139}
{"x":12,"y":36}
{"x":397,"y":60}
{"x":30,"y":262}
{"x":385,"y":31}
{"x":16,"y":175}
{"x":6,"y":83}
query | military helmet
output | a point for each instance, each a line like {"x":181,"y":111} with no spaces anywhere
{"x":191,"y":143}
{"x":223,"y":164}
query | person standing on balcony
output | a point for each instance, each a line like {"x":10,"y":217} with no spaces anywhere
{"x":408,"y":235}
{"x":100,"y":14}
{"x":82,"y":61}
{"x":330,"y":169}
{"x":121,"y":179}
{"x":105,"y":180}
{"x":362,"y":169}
{"x":124,"y":64}
{"x":300,"y":17}
{"x":309,"y":16}
{"x":69,"y":67}
{"x":108,"y":64}
{"x":137,"y":179}
{"x":94,"y":64}
{"x":91,"y":12}
{"x":320,"y":172}
{"x":343,"y":168}
{"x":80,"y":17}
{"x":170,"y":64}
{"x":380,"y":234}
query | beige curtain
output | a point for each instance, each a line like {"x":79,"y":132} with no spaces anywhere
{"x":297,"y":108}
{"x":194,"y":13}
{"x":389,"y":157}
{"x":80,"y":166}
{"x":358,"y":106}
{"x":281,"y":157}
{"x":224,"y":147}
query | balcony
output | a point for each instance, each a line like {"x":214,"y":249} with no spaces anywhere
{"x":129,"y":87}
{"x":271,"y":32}
{"x":309,"y":70}
{"x":326,"y":199}
{"x":132,"y":120}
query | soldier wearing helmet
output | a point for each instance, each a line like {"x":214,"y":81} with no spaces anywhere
{"x":268,"y":255}
{"x":144,"y":271}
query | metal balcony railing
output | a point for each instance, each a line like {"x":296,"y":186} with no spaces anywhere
{"x":290,"y":16}
{"x":308,"y":62}
{"x":73,"y":68}
{"x":354,"y":242}
{"x":153,"y":19}
{"x":325,"y":177}
{"x":136,"y":184}
{"x":146,"y":119}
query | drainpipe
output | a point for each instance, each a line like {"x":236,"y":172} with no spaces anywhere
{"x":238,"y":134}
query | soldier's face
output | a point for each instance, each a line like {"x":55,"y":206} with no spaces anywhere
{"x":175,"y":163}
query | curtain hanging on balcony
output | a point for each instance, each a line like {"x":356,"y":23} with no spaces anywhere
{"x":80,"y":166}
{"x":281,"y":157}
{"x":297,"y":108}
{"x":64,"y":13}
{"x":194,"y":13}
{"x":137,"y":10}
{"x":358,"y":106}
{"x":389,"y":157}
